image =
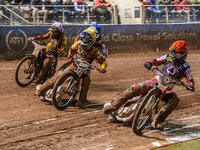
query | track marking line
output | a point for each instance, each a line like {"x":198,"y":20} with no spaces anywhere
{"x":184,"y":127}
{"x":156,"y":144}
{"x":154,"y":131}
{"x":182,"y":138}
{"x":110,"y":148}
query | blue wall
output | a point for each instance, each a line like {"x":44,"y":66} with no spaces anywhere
{"x":118,"y":38}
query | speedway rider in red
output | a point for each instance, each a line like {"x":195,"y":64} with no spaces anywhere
{"x":57,"y":44}
{"x":82,"y":50}
{"x":174,"y":65}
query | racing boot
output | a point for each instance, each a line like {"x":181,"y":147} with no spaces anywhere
{"x":43,"y":88}
{"x":156,"y":125}
{"x":46,"y":65}
{"x":119,"y":101}
{"x":84,"y":90}
{"x":171,"y":102}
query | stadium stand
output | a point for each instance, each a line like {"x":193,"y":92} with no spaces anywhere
{"x":21,"y":12}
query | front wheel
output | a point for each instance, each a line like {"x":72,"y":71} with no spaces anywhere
{"x":65,"y":90}
{"x":145,"y":110}
{"x":25,"y":72}
{"x":64,"y":66}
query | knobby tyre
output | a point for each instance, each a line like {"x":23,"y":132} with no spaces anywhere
{"x":145,"y":110}
{"x":24,"y":67}
{"x":65,"y":90}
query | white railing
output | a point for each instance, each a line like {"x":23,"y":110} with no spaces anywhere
{"x":10,"y":16}
{"x":14,"y":15}
{"x":169,"y":14}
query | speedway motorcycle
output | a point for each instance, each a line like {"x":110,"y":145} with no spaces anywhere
{"x":140,"y":110}
{"x":29,"y":67}
{"x":67,"y":86}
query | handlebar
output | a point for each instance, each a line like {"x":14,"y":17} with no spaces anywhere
{"x":174,"y":80}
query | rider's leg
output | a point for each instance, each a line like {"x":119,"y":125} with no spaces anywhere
{"x":84,"y":90}
{"x":130,"y":93}
{"x":44,"y":69}
{"x":50,"y":83}
{"x":172,"y":101}
{"x":119,"y":100}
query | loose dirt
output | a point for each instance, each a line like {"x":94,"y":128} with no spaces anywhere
{"x":28,"y":123}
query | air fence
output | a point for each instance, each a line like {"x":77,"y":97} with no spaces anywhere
{"x":118,"y":38}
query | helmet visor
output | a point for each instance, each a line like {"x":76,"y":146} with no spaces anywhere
{"x":87,"y":42}
{"x":54,"y":29}
{"x":178,"y":55}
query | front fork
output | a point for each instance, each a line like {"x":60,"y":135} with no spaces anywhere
{"x":72,"y":87}
{"x":154,"y":105}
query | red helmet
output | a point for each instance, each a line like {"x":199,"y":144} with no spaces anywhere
{"x":179,"y":50}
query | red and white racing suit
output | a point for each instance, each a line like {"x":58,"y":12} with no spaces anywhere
{"x":176,"y":71}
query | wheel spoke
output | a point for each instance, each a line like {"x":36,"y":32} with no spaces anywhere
{"x":25,"y":74}
{"x":64,"y":91}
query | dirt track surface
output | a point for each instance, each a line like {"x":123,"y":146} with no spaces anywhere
{"x":28,"y":123}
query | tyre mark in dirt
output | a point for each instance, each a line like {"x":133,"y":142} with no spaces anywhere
{"x":50,"y":128}
{"x":189,"y":94}
{"x":7,"y":69}
{"x":6,"y":96}
{"x":188,"y":118}
{"x":58,"y":118}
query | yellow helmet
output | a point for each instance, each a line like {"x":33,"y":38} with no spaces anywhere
{"x":88,"y":37}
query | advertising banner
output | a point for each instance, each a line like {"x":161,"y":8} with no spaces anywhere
{"x":118,"y":38}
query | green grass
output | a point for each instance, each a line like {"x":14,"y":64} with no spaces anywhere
{"x":189,"y":145}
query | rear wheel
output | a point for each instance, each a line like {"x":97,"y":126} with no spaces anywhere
{"x":25,"y":72}
{"x":65,"y":90}
{"x":145,"y":111}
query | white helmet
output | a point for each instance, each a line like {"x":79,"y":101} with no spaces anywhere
{"x":58,"y":25}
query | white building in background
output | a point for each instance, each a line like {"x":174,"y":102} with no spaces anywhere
{"x":130,"y":11}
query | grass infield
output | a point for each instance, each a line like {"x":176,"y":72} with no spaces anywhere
{"x":193,"y":144}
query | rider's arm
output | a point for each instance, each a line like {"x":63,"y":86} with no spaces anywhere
{"x":43,"y":37}
{"x":102,"y":61}
{"x":103,"y":48}
{"x":188,"y":75}
{"x":63,"y":45}
{"x":161,"y":60}
{"x":73,"y":50}
{"x":158,"y":61}
{"x":76,"y":39}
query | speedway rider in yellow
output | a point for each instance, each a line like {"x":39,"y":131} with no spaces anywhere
{"x":83,"y":50}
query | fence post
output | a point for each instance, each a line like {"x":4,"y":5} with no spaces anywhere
{"x":143,"y":16}
{"x":115,"y":12}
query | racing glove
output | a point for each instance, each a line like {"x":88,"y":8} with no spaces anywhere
{"x":53,"y":49}
{"x":70,"y":59}
{"x":102,"y":70}
{"x":191,"y":88}
{"x":148,"y":65}
{"x":31,"y":38}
